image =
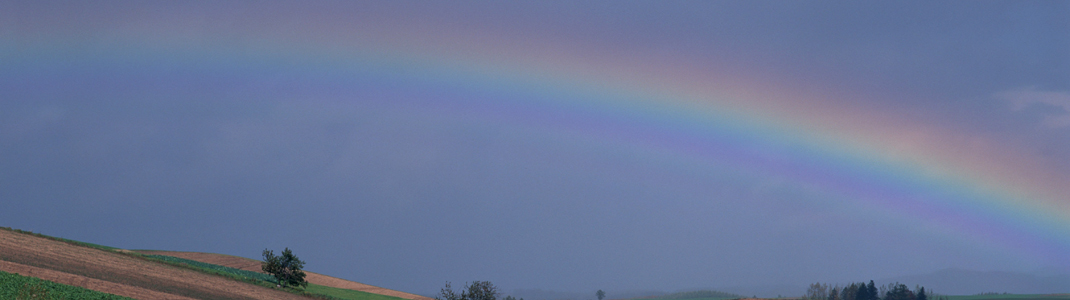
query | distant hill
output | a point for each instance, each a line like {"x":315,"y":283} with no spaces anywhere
{"x":536,"y":294}
{"x":539,"y":294}
{"x":700,"y":294}
{"x":967,"y":282}
{"x":766,"y":291}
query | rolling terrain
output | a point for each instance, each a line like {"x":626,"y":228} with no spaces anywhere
{"x":136,"y":274}
{"x":126,"y":273}
{"x":249,"y":264}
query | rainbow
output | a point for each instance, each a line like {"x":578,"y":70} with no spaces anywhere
{"x":995,"y":194}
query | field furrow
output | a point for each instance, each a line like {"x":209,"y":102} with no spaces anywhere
{"x":89,"y":265}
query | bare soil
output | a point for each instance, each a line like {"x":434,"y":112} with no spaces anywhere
{"x":86,"y":282}
{"x":314,"y":278}
{"x":120,"y":274}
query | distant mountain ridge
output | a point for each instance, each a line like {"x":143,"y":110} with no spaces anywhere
{"x":968,"y":282}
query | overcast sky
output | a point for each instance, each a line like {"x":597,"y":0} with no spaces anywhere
{"x":556,"y":145}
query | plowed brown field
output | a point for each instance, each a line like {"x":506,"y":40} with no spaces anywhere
{"x":314,"y":278}
{"x":117,"y":273}
{"x":86,"y":282}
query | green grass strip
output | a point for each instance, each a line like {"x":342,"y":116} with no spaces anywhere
{"x":214,"y":267}
{"x":345,"y":294}
{"x":313,"y":291}
{"x":15,"y":286}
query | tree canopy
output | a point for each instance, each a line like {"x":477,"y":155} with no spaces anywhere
{"x":478,"y":290}
{"x":286,"y":268}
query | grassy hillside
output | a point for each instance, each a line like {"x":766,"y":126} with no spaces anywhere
{"x":248,"y":276}
{"x":148,"y":276}
{"x":317,"y":291}
{"x":253,"y":265}
{"x":118,"y":272}
{"x":337,"y":293}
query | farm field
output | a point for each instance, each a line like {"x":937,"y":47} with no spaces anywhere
{"x":248,"y":275}
{"x":15,"y":286}
{"x":253,"y":265}
{"x":346,"y":293}
{"x":86,"y":282}
{"x":132,"y":276}
{"x":150,"y":275}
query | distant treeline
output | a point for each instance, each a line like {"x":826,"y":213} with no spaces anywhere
{"x":863,"y":291}
{"x":703,"y":294}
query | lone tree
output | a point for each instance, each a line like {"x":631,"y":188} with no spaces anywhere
{"x":285,"y":268}
{"x":600,"y":294}
{"x":479,"y":290}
